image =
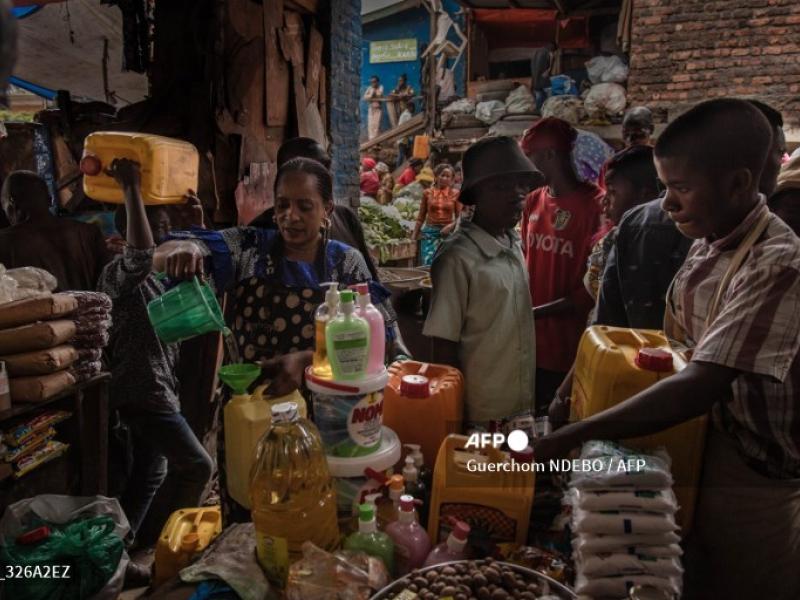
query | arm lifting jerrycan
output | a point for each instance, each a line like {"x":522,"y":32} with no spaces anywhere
{"x":169,"y":167}
{"x":614,"y":364}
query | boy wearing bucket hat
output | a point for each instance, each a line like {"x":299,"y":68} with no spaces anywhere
{"x":144,"y":383}
{"x":480,"y":316}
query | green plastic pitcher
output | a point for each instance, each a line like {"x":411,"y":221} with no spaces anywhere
{"x":187,"y":310}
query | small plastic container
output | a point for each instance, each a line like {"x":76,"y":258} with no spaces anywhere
{"x":186,"y":533}
{"x":185,"y":311}
{"x":453,"y":549}
{"x":411,"y":541}
{"x":169,"y":167}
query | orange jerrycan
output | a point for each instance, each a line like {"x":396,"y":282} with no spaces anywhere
{"x":169,"y":167}
{"x":496,"y":503}
{"x":614,"y":364}
{"x":423,"y":403}
{"x":186,"y":534}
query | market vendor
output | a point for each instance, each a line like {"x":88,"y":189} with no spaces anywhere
{"x":409,"y":174}
{"x":740,"y":322}
{"x":438,"y":213}
{"x":275,"y":276}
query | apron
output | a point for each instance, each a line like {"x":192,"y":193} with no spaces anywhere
{"x":272,"y":318}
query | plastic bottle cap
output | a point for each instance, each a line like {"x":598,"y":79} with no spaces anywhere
{"x":654,"y":359}
{"x":366,"y":512}
{"x":523,"y":456}
{"x":361,"y":288}
{"x":90,"y":165}
{"x":284,"y":412}
{"x":190,"y":541}
{"x":407,"y":503}
{"x":415,"y":386}
{"x":346,"y":296}
{"x":461,"y":531}
{"x":331,"y":293}
{"x":397,"y":483}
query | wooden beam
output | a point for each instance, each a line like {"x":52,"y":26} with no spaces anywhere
{"x":310,"y":6}
{"x":560,"y":6}
{"x":417,"y":122}
{"x":595,"y":12}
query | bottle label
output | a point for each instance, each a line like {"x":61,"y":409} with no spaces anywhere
{"x":365,"y":420}
{"x":273,"y":556}
{"x":351,"y":352}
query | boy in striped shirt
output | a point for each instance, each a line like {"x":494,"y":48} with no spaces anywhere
{"x":736,"y":304}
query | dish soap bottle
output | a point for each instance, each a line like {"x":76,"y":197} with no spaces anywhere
{"x":322,"y":316}
{"x":377,"y":331}
{"x":347,"y":337}
{"x":291,"y":493}
{"x":415,"y":487}
{"x":411,"y":542}
{"x":452,"y":549}
{"x":369,"y":540}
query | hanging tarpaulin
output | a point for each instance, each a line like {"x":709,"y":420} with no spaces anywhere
{"x":531,"y":28}
{"x":78,"y":46}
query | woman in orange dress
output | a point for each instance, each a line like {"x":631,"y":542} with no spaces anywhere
{"x":438,"y":213}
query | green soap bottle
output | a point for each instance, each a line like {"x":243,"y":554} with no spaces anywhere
{"x":347,"y":338}
{"x":369,"y":540}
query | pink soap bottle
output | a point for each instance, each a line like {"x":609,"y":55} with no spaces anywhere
{"x":452,"y":549}
{"x":411,"y":541}
{"x":377,"y":333}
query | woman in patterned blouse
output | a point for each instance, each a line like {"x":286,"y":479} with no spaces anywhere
{"x":274,"y":276}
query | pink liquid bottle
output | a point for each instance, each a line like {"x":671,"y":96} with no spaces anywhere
{"x":411,"y":541}
{"x":377,"y":332}
{"x":452,"y":549}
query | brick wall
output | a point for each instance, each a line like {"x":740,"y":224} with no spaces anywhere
{"x":684,"y":51}
{"x":344,"y":78}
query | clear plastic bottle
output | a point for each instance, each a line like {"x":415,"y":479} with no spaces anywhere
{"x":411,"y":542}
{"x":453,"y":549}
{"x":377,"y":330}
{"x":423,"y":472}
{"x":369,"y":540}
{"x":291,"y":493}
{"x":322,"y":316}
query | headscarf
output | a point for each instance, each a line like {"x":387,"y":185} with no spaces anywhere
{"x":368,"y":164}
{"x":549,"y":133}
{"x":382,"y":168}
{"x":426,"y":175}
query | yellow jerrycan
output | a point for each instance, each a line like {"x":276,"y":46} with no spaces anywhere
{"x":496,"y":503}
{"x":169,"y":167}
{"x":186,"y":533}
{"x":614,"y":364}
{"x":247,"y":418}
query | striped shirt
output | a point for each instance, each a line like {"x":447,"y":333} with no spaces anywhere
{"x":756,"y":332}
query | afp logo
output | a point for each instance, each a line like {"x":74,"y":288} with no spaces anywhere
{"x":517,"y":440}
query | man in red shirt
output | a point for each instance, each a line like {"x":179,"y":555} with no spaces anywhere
{"x":558,"y":223}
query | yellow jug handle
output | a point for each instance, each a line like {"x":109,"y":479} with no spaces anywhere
{"x":258,"y":393}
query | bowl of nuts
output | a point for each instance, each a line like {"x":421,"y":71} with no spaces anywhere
{"x":475,"y":580}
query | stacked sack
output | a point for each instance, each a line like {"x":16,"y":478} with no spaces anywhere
{"x":52,"y":341}
{"x":623,"y":522}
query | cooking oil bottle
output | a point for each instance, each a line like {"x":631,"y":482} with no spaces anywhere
{"x":291,"y":493}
